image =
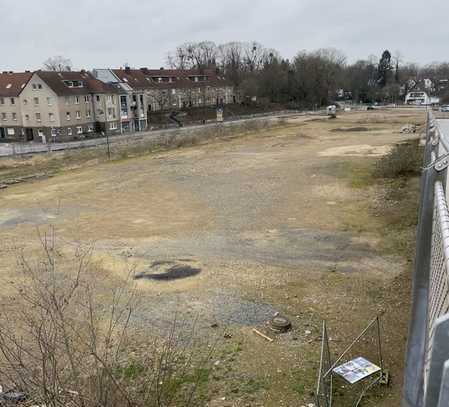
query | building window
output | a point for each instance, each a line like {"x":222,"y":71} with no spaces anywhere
{"x":67,"y":116}
{"x":34,"y":86}
{"x":78,"y":115}
{"x":98,"y":98}
{"x":110,"y":110}
{"x":49,"y":101}
{"x":77,"y":100}
{"x":13,"y":101}
{"x":88,"y":113}
{"x":67,"y":100}
{"x":113,"y":126}
{"x":10,"y":132}
{"x":36,"y":101}
{"x":2,"y":101}
{"x":69,"y":131}
{"x":109,"y":98}
{"x":25,"y":101}
{"x":79,"y":130}
{"x":51,"y":117}
{"x":14,"y":116}
{"x":53,"y":132}
{"x":27,"y":117}
{"x":87,"y":98}
{"x":124,"y":106}
{"x":38,"y":117}
{"x":3,"y":116}
{"x":74,"y":84}
{"x":39,"y":86}
{"x":90,"y":128}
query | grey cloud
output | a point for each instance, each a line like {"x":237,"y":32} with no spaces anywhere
{"x":108,"y":33}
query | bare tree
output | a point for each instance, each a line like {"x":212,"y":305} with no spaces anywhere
{"x":198,"y":55}
{"x":317,"y":75}
{"x":58,"y":63}
{"x":64,"y":344}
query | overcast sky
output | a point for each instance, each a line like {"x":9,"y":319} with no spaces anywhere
{"x":107,"y":33}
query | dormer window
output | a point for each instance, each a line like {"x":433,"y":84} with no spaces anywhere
{"x":8,"y":86}
{"x":74,"y":84}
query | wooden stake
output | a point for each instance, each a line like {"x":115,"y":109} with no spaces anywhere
{"x":263,"y":335}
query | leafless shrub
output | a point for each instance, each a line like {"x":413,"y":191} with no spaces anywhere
{"x":66,"y":341}
{"x":404,"y":160}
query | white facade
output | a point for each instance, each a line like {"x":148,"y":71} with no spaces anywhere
{"x":417,"y":98}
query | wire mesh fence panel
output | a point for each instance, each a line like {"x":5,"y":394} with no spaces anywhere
{"x":438,"y":288}
{"x":426,"y":376}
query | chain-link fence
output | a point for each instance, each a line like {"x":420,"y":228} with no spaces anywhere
{"x":426,"y":381}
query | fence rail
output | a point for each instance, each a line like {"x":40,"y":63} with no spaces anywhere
{"x":17,"y":149}
{"x":426,"y":382}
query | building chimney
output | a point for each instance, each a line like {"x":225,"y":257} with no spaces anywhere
{"x":127,"y":68}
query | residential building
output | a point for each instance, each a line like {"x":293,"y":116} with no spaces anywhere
{"x":11,"y":119}
{"x":177,"y":88}
{"x":131,"y":85}
{"x":421,"y":98}
{"x":60,"y":106}
{"x":48,"y":106}
{"x":147,"y":90}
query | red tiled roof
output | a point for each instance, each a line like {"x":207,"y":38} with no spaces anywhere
{"x":135,"y":78}
{"x":12,"y":83}
{"x":179,"y":72}
{"x":55,"y":80}
{"x":143,"y":78}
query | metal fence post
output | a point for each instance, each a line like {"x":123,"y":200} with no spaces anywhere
{"x":438,"y":357}
{"x":444,"y":390}
{"x":417,"y":339}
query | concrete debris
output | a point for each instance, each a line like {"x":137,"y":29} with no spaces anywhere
{"x":409,"y":128}
{"x":11,"y":397}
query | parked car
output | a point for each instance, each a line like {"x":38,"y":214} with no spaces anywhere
{"x":444,"y":108}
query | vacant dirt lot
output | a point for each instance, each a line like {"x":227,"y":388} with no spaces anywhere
{"x":287,"y":220}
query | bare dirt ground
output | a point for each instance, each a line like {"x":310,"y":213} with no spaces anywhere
{"x":231,"y":232}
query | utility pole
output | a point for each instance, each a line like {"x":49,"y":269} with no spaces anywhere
{"x":107,"y":143}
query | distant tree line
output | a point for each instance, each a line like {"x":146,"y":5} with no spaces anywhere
{"x":311,"y":79}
